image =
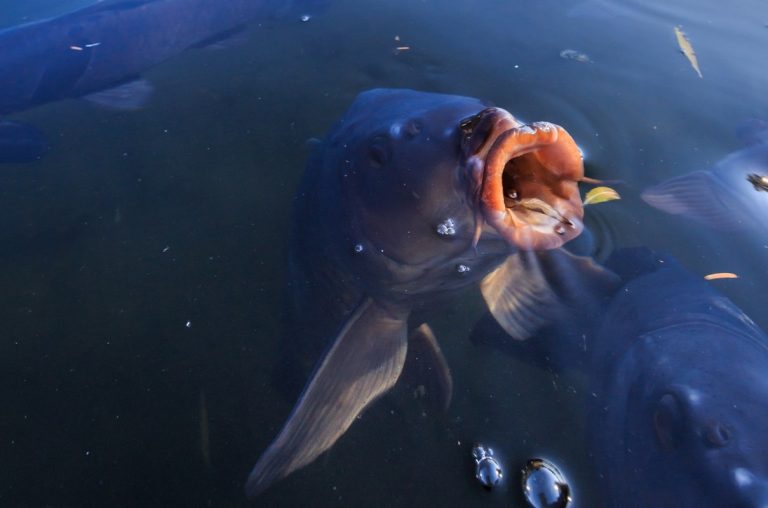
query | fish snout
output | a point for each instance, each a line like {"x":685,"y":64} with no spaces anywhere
{"x":481,"y":130}
{"x":529,"y":186}
{"x":752,"y":491}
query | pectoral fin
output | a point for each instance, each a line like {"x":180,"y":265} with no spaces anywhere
{"x":697,"y":196}
{"x":532,"y":289}
{"x":129,"y":96}
{"x":224,"y":40}
{"x":364,"y":362}
{"x":572,"y":293}
{"x":518,"y":295}
{"x":426,"y":372}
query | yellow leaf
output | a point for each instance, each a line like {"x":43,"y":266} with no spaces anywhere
{"x":721,"y":275}
{"x":600,"y":195}
{"x":687,"y":49}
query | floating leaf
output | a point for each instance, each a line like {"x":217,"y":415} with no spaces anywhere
{"x":687,"y":49}
{"x":600,"y":195}
{"x":721,"y":275}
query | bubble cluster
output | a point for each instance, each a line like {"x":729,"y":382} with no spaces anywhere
{"x":447,"y":227}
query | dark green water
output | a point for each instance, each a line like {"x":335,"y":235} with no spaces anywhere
{"x":142,"y":261}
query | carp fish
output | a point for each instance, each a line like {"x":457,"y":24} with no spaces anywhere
{"x":677,"y":391}
{"x":412,"y":196}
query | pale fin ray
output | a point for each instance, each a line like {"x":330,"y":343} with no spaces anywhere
{"x":697,"y":196}
{"x":129,"y":96}
{"x":531,"y":290}
{"x":426,"y":367}
{"x":518,"y":295}
{"x":364,"y":362}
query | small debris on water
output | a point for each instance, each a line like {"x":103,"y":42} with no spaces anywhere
{"x":572,"y":54}
{"x":759,"y":182}
{"x":359,"y":248}
{"x":463,"y":268}
{"x":166,"y":248}
{"x":305,"y":18}
{"x":188,"y":324}
{"x":721,"y":275}
{"x":400,"y":48}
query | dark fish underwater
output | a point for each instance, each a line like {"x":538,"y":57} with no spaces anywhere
{"x":733,"y":195}
{"x":678,"y":391}
{"x":412,"y":196}
{"x":101,"y":50}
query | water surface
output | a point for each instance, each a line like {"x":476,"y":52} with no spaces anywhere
{"x":142,"y":260}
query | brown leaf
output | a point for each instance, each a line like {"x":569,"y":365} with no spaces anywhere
{"x":687,"y":49}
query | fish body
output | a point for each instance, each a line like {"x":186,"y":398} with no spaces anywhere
{"x":20,"y":142}
{"x":730,"y":196}
{"x":678,"y":392}
{"x":403,"y":203}
{"x":107,"y":44}
{"x":99,"y":52}
{"x":681,"y":392}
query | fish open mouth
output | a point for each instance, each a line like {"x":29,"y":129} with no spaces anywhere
{"x":526,"y":180}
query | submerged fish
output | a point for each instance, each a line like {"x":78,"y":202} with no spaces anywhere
{"x":729,"y":197}
{"x":678,"y":395}
{"x":20,"y":142}
{"x":405,"y":201}
{"x":100,"y":51}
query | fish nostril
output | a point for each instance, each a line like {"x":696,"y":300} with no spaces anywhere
{"x":717,"y":435}
{"x":378,"y":152}
{"x":475,"y":132}
{"x":412,"y":128}
{"x":668,"y":421}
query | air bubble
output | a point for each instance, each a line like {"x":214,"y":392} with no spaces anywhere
{"x":544,"y":486}
{"x":463,"y":268}
{"x":446,"y":228}
{"x":487,"y":469}
{"x":359,"y":248}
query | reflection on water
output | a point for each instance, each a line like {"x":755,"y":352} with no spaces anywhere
{"x":136,"y":224}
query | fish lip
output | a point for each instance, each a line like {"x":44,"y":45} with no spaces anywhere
{"x":543,"y":162}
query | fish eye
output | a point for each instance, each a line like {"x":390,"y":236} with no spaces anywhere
{"x":378,"y":151}
{"x":717,"y":435}
{"x":668,"y":421}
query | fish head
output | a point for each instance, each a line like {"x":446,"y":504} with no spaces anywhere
{"x":425,"y":173}
{"x":698,"y":435}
